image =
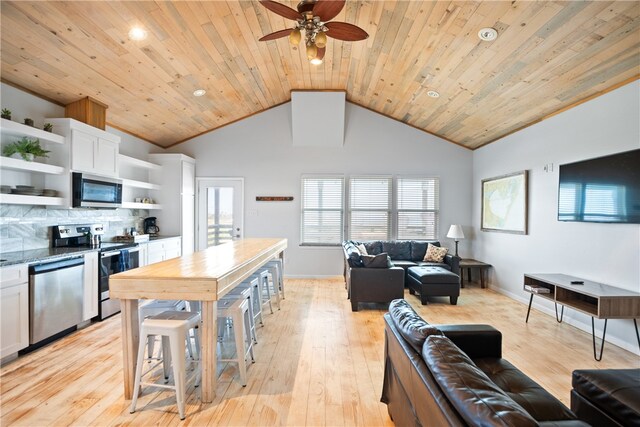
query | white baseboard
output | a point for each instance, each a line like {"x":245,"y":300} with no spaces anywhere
{"x":629,"y":346}
{"x":311,"y":276}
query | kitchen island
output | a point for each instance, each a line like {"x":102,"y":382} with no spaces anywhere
{"x":202,"y":276}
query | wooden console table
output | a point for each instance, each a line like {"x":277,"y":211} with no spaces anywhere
{"x":591,"y":298}
{"x":469,"y":263}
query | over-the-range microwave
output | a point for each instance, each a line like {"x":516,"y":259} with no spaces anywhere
{"x":89,"y":191}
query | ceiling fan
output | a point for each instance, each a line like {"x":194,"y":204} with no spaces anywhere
{"x":312,"y":17}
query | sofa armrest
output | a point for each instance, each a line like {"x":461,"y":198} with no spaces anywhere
{"x":477,"y":341}
{"x":454,"y":262}
{"x":375,"y":285}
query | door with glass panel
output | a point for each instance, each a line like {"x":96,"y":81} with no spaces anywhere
{"x":220,"y":206}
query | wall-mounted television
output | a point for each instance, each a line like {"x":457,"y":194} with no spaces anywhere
{"x":605,"y":189}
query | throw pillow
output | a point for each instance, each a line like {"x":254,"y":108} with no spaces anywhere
{"x":362,"y":249}
{"x":435,"y":253}
{"x":376,"y":261}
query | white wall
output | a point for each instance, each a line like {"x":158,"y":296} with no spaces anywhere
{"x":607,"y":253}
{"x":260,"y":150}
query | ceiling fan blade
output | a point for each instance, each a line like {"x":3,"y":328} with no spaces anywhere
{"x":275,"y":35}
{"x":328,"y":9}
{"x":345,"y":31}
{"x":280,"y":9}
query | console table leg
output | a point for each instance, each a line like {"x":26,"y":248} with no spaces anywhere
{"x":561,"y":312}
{"x":637,"y":334}
{"x":529,"y":309}
{"x":593,"y":336}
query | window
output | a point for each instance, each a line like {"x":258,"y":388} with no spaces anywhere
{"x":379,"y":208}
{"x":322,"y":210}
{"x":417,"y":201}
{"x":370,"y":208}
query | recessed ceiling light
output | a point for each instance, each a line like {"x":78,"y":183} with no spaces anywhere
{"x":433,"y":94}
{"x":199,"y":92}
{"x":137,"y":33}
{"x":488,"y":34}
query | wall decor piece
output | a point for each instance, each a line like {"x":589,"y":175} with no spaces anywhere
{"x":274,"y":198}
{"x":505,"y":203}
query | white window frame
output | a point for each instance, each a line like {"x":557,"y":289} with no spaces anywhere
{"x":397,"y":210}
{"x":303,"y":209}
{"x":389,"y":210}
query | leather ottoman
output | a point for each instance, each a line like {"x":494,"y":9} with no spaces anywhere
{"x":607,"y":397}
{"x":433,"y":281}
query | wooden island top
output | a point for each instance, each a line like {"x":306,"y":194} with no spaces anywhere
{"x":204,"y":276}
{"x":201,"y":276}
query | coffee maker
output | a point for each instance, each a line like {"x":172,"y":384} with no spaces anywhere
{"x":150,"y":226}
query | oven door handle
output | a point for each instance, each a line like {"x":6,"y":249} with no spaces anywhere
{"x":132,"y":250}
{"x":110,"y":253}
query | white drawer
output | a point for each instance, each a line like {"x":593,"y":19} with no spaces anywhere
{"x":13,"y":275}
{"x":172,"y":244}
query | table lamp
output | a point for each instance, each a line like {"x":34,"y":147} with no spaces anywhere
{"x":455,"y":233}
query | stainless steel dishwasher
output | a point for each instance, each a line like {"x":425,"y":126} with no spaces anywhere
{"x":56,"y":295}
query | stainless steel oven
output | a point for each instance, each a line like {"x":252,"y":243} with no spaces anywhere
{"x":114,"y":261}
{"x":95,"y":191}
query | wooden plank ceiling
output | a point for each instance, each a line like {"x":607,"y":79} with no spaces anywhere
{"x":549,"y":55}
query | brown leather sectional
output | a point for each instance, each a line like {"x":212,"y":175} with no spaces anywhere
{"x":454,"y":375}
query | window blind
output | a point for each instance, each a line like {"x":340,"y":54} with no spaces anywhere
{"x":370,"y":208}
{"x":322,"y":210}
{"x":417,"y":208}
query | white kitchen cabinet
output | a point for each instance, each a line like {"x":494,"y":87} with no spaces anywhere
{"x":91,"y":286}
{"x":143,"y":254}
{"x":14,"y":309}
{"x":176,"y":179}
{"x":92,"y":150}
{"x":163,"y":249}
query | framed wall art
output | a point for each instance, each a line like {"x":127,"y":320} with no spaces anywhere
{"x":505,"y":203}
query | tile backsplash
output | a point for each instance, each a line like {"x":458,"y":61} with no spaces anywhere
{"x":24,"y":227}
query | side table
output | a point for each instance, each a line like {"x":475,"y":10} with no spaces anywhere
{"x":470,"y":263}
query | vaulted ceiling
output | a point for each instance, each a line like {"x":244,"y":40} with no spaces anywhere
{"x":548,"y":56}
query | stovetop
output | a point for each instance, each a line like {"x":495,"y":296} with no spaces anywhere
{"x":108,"y":246}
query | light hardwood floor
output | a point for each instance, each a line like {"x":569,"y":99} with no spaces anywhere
{"x":317,"y":363}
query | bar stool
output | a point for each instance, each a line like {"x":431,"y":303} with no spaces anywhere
{"x":277,"y":262}
{"x":246,"y":292}
{"x":256,"y":294}
{"x":263,"y":277}
{"x":153,"y":307}
{"x":237,"y":309}
{"x":273,"y":275}
{"x":173,"y":327}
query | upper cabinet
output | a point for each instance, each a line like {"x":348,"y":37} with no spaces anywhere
{"x":176,"y":178}
{"x":92,"y":150}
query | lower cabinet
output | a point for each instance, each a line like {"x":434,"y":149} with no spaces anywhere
{"x":163,"y":249}
{"x":14,"y":309}
{"x":91,"y":286}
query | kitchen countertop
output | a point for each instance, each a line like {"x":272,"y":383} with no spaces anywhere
{"x":154,"y":238}
{"x":38,"y":255}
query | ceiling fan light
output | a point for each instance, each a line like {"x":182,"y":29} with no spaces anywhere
{"x":295,"y":36}
{"x":312,"y":51}
{"x":321,"y":39}
{"x":316,"y":61}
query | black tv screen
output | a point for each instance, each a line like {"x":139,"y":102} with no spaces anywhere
{"x":606,"y":189}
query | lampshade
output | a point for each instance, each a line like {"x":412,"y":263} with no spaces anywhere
{"x":295,"y":36}
{"x":455,"y":232}
{"x":312,"y":51}
{"x":321,"y":39}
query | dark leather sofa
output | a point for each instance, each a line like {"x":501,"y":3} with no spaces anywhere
{"x":386,"y":284}
{"x":607,"y":397}
{"x":454,"y":375}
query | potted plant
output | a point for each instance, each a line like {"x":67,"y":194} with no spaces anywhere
{"x":25,"y":148}
{"x":6,"y":114}
{"x":28,"y":122}
{"x":48,"y":127}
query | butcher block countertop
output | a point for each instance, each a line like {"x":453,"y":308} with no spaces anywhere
{"x":205,"y":275}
